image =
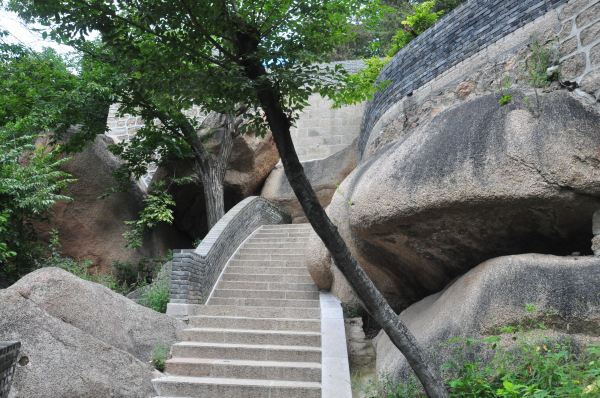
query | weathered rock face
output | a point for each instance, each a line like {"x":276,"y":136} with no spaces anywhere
{"x":251,"y":161}
{"x":562,"y":290}
{"x":324,"y":174}
{"x":91,"y":227}
{"x":477,"y":182}
{"x":98,"y":311}
{"x":75,"y":336}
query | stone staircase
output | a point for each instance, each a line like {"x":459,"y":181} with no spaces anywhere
{"x":259,"y":335}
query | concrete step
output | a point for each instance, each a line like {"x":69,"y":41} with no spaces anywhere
{"x":258,"y":352}
{"x":268,"y":294}
{"x":244,"y":369}
{"x":257,"y":270}
{"x":270,"y":278}
{"x":237,"y":322}
{"x":282,"y":234}
{"x":252,"y":336}
{"x":271,"y":245}
{"x":280,"y":239}
{"x":295,"y":287}
{"x":263,"y":302}
{"x":258,"y":312}
{"x":204,"y":387}
{"x":272,"y":251}
{"x":302,"y":226}
{"x":269,"y":256}
{"x":265,"y":263}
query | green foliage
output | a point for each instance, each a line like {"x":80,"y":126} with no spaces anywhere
{"x":422,"y":17}
{"x":39,"y":100}
{"x":505,"y":100}
{"x":159,"y":357}
{"x":361,"y":86}
{"x":540,"y":59}
{"x":157,"y":294}
{"x":158,"y":208}
{"x":536,"y":369}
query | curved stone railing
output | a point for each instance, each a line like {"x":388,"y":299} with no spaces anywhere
{"x":465,"y":31}
{"x":196,"y":271}
{"x":9,"y":350}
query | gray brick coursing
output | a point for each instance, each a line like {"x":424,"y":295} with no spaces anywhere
{"x":465,"y":31}
{"x":196,"y":271}
{"x":8,"y":358}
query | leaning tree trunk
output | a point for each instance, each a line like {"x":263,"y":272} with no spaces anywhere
{"x":367,"y":292}
{"x":211,"y":168}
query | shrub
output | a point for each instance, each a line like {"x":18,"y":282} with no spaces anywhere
{"x":536,"y":369}
{"x":422,"y":18}
{"x":157,"y":294}
{"x":159,"y":356}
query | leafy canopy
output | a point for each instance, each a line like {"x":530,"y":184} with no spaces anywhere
{"x":38,"y":95}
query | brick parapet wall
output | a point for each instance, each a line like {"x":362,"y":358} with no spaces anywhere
{"x":196,"y":271}
{"x":466,"y":31}
{"x":8,"y":359}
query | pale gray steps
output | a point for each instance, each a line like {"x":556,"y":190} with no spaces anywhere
{"x":272,"y":245}
{"x":258,"y":312}
{"x":268,"y":294}
{"x":245,"y":250}
{"x":252,"y":336}
{"x":269,"y":256}
{"x":263,"y":302}
{"x":245,"y":369}
{"x":205,"y":387}
{"x":238,"y":322}
{"x":283,"y":239}
{"x":256,"y":270}
{"x":277,"y":234}
{"x":303,"y":226}
{"x":264,"y":263}
{"x":279,"y":278}
{"x":270,"y":278}
{"x":296,"y":287}
{"x":259,"y":352}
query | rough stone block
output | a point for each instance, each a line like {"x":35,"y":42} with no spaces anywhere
{"x":588,"y":16}
{"x":568,"y":46}
{"x":573,"y":8}
{"x":573,"y":67}
{"x":590,"y":34}
{"x":591,"y":83}
{"x":595,"y":55}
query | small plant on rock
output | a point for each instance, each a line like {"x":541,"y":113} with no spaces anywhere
{"x":159,"y":357}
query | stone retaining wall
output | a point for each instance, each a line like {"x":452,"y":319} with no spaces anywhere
{"x":462,"y":33}
{"x":196,"y":271}
{"x":8,"y":359}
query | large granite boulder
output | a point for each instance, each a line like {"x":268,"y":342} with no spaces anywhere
{"x":477,"y":182}
{"x":325,"y":175}
{"x":251,"y":161}
{"x":59,"y":359}
{"x":92,"y":225}
{"x":528,"y":289}
{"x":98,"y":311}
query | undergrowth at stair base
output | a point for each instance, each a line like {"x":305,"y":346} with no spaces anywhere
{"x":538,"y":368}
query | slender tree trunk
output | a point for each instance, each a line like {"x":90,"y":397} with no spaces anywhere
{"x":212,"y":185}
{"x":367,"y":292}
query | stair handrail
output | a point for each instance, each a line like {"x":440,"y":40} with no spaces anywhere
{"x":196,"y":271}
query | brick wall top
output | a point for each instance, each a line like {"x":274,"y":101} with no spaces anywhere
{"x":465,"y":31}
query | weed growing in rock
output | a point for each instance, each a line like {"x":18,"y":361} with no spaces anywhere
{"x":156,"y":295}
{"x":159,"y":357}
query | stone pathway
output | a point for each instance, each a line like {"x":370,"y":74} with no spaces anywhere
{"x":259,"y":335}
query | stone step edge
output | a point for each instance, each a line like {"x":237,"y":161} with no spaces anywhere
{"x":273,"y":347}
{"x":237,"y":382}
{"x":244,"y":362}
{"x":204,"y":316}
{"x":255,"y":331}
